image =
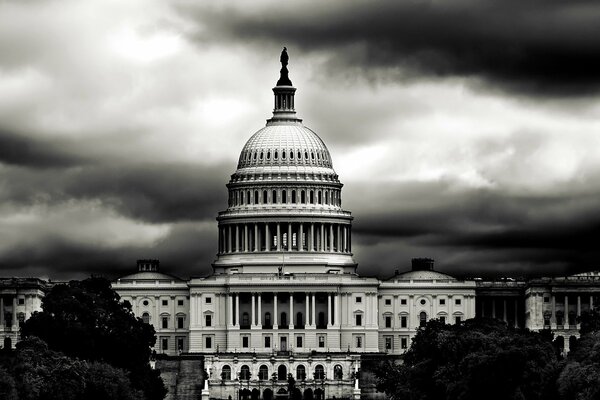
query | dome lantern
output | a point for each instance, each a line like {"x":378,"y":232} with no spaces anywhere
{"x":284,"y":94}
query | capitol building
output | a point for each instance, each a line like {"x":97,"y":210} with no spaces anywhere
{"x":285,"y":299}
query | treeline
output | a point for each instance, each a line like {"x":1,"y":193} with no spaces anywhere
{"x":485,"y":359}
{"x":84,"y":344}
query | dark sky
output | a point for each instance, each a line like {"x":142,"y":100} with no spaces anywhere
{"x":466,"y":131}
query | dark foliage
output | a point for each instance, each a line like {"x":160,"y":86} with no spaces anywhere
{"x":85,"y":319}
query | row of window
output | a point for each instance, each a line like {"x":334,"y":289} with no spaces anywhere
{"x":314,"y":156}
{"x":165,"y":343}
{"x":165,"y":320}
{"x":422,"y":320}
{"x":442,"y":301}
{"x":165,"y":302}
{"x":389,"y":342}
{"x":282,"y":373}
{"x":267,"y":341}
{"x":285,"y":196}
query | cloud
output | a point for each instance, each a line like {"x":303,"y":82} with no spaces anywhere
{"x":535,"y":48}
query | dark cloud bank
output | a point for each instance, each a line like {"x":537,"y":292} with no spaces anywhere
{"x":534,"y":47}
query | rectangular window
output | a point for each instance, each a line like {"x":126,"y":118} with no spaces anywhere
{"x":358,"y":299}
{"x":299,"y":341}
{"x":268,"y":341}
{"x":404,"y":342}
{"x":180,"y":342}
{"x":388,"y":302}
{"x":457,"y":320}
{"x":442,"y":302}
{"x":358,"y":319}
{"x":180,"y":322}
{"x":457,"y":302}
{"x":546,"y":299}
{"x":388,"y":321}
{"x":245,"y":341}
{"x":164,"y":344}
{"x":208,"y":300}
{"x":21,"y":301}
{"x":388,"y":342}
{"x":443,"y":319}
{"x":321,"y":341}
{"x":165,"y":322}
{"x":403,"y":302}
{"x":359,"y":342}
{"x":179,"y":302}
{"x":165,"y":302}
{"x":208,"y":320}
{"x":403,"y":321}
{"x":208,"y":342}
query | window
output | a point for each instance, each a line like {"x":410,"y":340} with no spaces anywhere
{"x":546,"y":299}
{"x":145,"y":302}
{"x":403,"y":321}
{"x":457,"y":302}
{"x":208,"y":342}
{"x":21,"y":318}
{"x":442,"y":302}
{"x":404,"y":342}
{"x":388,"y":302}
{"x":245,"y":373}
{"x":245,"y":341}
{"x":358,"y":319}
{"x":338,"y":372}
{"x":180,"y":342}
{"x":403,"y":302}
{"x":298,"y":341}
{"x":179,"y":302}
{"x":300,"y":373}
{"x":321,"y":341}
{"x":208,"y":300}
{"x":226,"y":373}
{"x":388,"y":321}
{"x":358,"y":299}
{"x":146,"y":318}
{"x":165,"y":322}
{"x":180,"y":321}
{"x":319,"y":372}
{"x":388,"y":342}
{"x":423,"y":302}
{"x":165,"y":302}
{"x":457,"y":319}
{"x":245,"y":319}
{"x":359,"y":342}
{"x":164,"y":343}
{"x":263,"y":373}
{"x":442,"y":319}
{"x":283,"y":319}
{"x":21,"y":301}
{"x":268,"y":341}
{"x":282,"y":373}
{"x":208,"y":320}
{"x":422,"y":318}
{"x":268,"y":319}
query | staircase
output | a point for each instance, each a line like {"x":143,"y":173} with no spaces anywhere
{"x":190,"y":380}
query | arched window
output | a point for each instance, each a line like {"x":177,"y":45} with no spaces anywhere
{"x":422,"y":318}
{"x":306,"y":155}
{"x":299,"y":319}
{"x":226,"y":373}
{"x":326,"y":197}
{"x":256,"y":197}
{"x":276,"y":154}
{"x":248,"y":197}
{"x":299,"y":155}
{"x":261,"y":155}
{"x":268,"y":319}
{"x":291,"y":155}
{"x":300,"y":373}
{"x":319,"y":372}
{"x":241,"y":198}
{"x":283,"y":319}
{"x":268,"y":155}
{"x":146,"y":318}
{"x":319,"y":197}
{"x":312,"y":197}
{"x":264,"y":197}
{"x":338,"y":372}
{"x":245,"y":319}
{"x":283,"y":155}
{"x":255,"y":155}
{"x":263,"y":373}
{"x":274,"y":196}
{"x":245,"y":373}
{"x":302,"y":197}
{"x":283,"y":196}
{"x":282,"y":373}
{"x":293,"y":196}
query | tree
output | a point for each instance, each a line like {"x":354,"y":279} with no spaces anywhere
{"x":580,"y":378}
{"x":473,"y":360}
{"x":86,"y":319}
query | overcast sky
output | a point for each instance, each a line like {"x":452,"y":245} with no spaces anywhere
{"x":467,"y":131}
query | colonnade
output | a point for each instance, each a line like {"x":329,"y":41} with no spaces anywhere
{"x":284,"y":316}
{"x":285,"y":236}
{"x":564,"y":317}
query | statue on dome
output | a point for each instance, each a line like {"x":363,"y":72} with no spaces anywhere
{"x":284,"y":57}
{"x":284,"y":80}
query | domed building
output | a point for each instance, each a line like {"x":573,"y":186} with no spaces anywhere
{"x":284,"y":299}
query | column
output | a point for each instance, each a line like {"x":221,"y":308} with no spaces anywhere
{"x":255,"y":237}
{"x":237,"y":310}
{"x":229,"y":238}
{"x":493,"y":307}
{"x":2,"y":312}
{"x":259,"y":322}
{"x":275,"y":314}
{"x":578,"y":306}
{"x":338,"y":311}
{"x":504,"y":316}
{"x":322,"y":241}
{"x":300,"y":239}
{"x":591,"y":302}
{"x":516,"y":312}
{"x":311,"y":246}
{"x":329,"y":312}
{"x":566,"y":322}
{"x":291,"y":319}
{"x":314,"y":315}
{"x":278,"y":236}
{"x":339,"y":238}
{"x":245,"y":237}
{"x":253,"y":313}
{"x":307,"y":316}
{"x":331,"y":237}
{"x":237,"y":238}
{"x":267,"y":238}
{"x":289,"y":237}
{"x":553,"y":316}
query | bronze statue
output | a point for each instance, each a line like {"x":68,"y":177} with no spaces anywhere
{"x":284,"y":80}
